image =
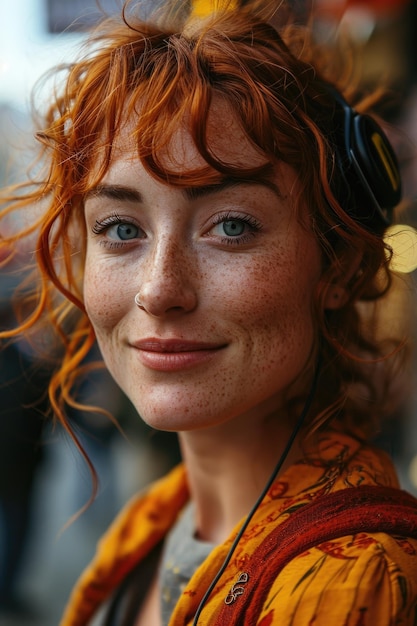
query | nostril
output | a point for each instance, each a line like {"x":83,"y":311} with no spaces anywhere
{"x":158,"y":301}
{"x":138,"y":302}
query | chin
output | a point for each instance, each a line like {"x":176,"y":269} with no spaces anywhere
{"x":172,"y":417}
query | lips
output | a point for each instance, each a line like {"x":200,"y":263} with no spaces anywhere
{"x":175,"y":354}
{"x":174,"y":345}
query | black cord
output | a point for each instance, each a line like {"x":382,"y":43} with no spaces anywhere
{"x":265,"y":490}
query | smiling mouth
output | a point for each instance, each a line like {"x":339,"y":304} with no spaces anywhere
{"x":174,"y":355}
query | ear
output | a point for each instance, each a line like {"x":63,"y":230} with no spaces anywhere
{"x":337,"y":288}
{"x":336,"y":296}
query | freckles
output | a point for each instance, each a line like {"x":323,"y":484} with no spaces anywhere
{"x":92,"y":292}
{"x":108,"y":287}
{"x":278,"y":311}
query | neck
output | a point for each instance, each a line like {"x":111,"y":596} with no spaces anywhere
{"x":229,"y":465}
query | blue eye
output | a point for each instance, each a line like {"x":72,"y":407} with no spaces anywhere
{"x":124,"y":231}
{"x":233,"y":228}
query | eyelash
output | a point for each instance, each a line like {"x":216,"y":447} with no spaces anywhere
{"x":101,"y":227}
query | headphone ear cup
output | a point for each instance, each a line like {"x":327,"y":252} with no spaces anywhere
{"x":370,"y":185}
{"x":378,"y":165}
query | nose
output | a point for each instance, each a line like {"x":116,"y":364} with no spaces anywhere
{"x":168,"y":280}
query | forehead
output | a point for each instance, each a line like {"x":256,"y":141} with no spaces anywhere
{"x":226,"y":140}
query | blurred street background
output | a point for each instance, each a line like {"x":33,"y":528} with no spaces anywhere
{"x":43,"y":480}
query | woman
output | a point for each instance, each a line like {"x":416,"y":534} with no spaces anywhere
{"x":215,"y":212}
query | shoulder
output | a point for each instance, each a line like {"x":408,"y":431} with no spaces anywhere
{"x":364,"y":579}
{"x":318,"y":567}
{"x":362,"y":574}
{"x":335,"y":461}
{"x":139,"y":527}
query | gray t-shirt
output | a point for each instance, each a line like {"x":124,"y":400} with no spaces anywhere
{"x":182,"y":555}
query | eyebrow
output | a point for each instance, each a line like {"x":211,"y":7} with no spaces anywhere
{"x":115,"y":192}
{"x":125,"y":193}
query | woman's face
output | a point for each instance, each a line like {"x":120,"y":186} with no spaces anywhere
{"x":225,"y":275}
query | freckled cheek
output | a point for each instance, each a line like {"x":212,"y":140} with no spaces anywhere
{"x":272,"y":303}
{"x":105,"y":295}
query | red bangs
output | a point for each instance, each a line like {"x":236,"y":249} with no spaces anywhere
{"x":165,"y":81}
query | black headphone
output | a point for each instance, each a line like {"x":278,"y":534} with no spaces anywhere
{"x":370,"y":178}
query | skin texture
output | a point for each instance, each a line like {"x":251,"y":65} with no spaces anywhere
{"x":234,"y":269}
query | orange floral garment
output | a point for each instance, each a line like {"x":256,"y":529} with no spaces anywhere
{"x":357,"y":580}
